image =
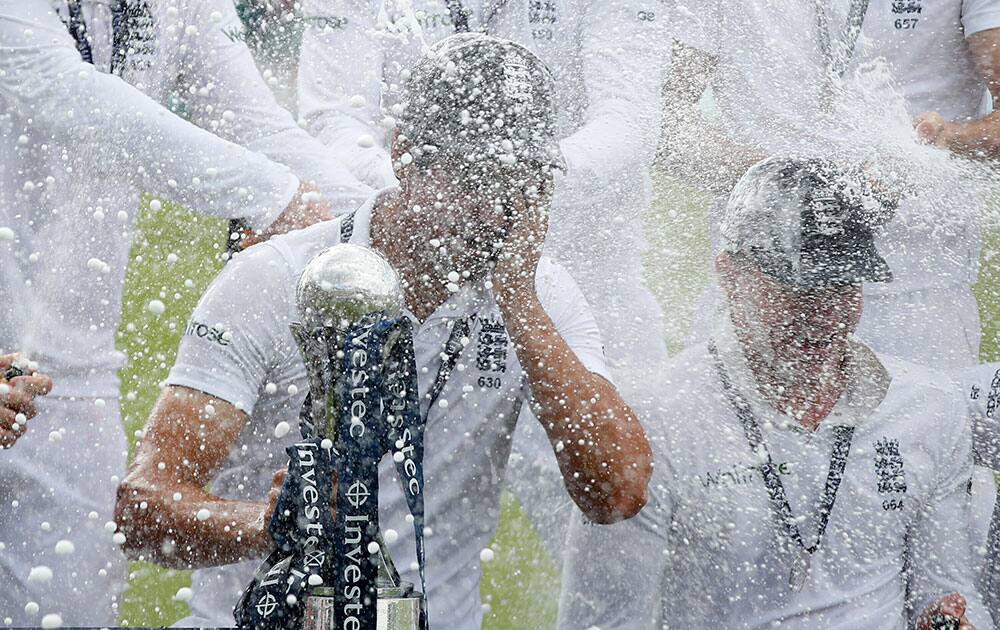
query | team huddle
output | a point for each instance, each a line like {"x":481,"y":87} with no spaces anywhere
{"x":819,"y":455}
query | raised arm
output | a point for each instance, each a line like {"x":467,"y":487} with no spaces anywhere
{"x":124,"y":132}
{"x":231,"y":99}
{"x":599,"y":444}
{"x":694,"y":149}
{"x":340,"y":83}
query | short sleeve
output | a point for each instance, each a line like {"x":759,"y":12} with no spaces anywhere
{"x":568,"y":309}
{"x":980,"y":15}
{"x":235,"y":337}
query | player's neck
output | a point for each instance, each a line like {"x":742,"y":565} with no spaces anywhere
{"x":803,"y":385}
{"x":423,"y":290}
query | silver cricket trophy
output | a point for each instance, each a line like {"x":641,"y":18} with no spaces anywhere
{"x":338,"y":288}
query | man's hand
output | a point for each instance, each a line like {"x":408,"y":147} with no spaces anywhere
{"x":164,"y":509}
{"x":514,"y":274}
{"x":306,"y":208}
{"x":932,"y":128}
{"x":948,"y":613}
{"x":17,"y":398}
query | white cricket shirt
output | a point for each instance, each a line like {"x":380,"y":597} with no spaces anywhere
{"x":707,"y":553}
{"x":238,"y":347}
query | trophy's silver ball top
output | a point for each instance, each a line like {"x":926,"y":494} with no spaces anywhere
{"x":343,"y":284}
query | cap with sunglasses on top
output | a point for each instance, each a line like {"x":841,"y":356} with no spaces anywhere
{"x":808,"y":223}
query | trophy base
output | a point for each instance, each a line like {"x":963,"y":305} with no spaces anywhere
{"x":398,"y":609}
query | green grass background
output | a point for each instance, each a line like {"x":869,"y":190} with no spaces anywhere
{"x":521,"y":584}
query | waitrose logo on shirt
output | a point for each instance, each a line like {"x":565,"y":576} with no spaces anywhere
{"x":738,"y":475}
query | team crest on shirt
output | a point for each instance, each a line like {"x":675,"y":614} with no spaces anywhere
{"x":492,"y":350}
{"x":906,"y":14}
{"x":542,"y":16}
{"x":890,"y":474}
{"x":994,"y":396}
{"x":542,"y":11}
{"x":906,"y":7}
{"x":492,"y":347}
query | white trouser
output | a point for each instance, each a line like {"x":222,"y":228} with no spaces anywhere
{"x":54,"y":489}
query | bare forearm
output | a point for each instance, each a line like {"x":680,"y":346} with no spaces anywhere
{"x":694,"y":149}
{"x":976,"y":139}
{"x":163,"y":509}
{"x":600,"y":446}
{"x":185,"y":527}
{"x":700,"y":154}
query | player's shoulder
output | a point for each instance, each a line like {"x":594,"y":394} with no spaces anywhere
{"x":297,"y":248}
{"x":913,"y":379}
{"x":557,"y":291}
{"x":274,"y":266}
{"x":922,"y":396}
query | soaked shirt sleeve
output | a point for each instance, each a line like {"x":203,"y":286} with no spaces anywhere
{"x":239,"y":107}
{"x":233,"y":339}
{"x":980,"y":15}
{"x":127,"y":135}
{"x":340,"y":102}
{"x":939,"y":547}
{"x":568,"y":309}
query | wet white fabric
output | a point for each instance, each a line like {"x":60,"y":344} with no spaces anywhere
{"x":607,"y":58}
{"x":934,"y":241}
{"x":982,"y":390}
{"x":936,"y":327}
{"x":77,"y":145}
{"x":44,"y":503}
{"x":706,"y":552}
{"x":238,"y":347}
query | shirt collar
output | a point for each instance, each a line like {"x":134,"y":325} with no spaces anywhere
{"x":866,"y":387}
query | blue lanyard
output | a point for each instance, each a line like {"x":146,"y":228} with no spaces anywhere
{"x":777,"y":497}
